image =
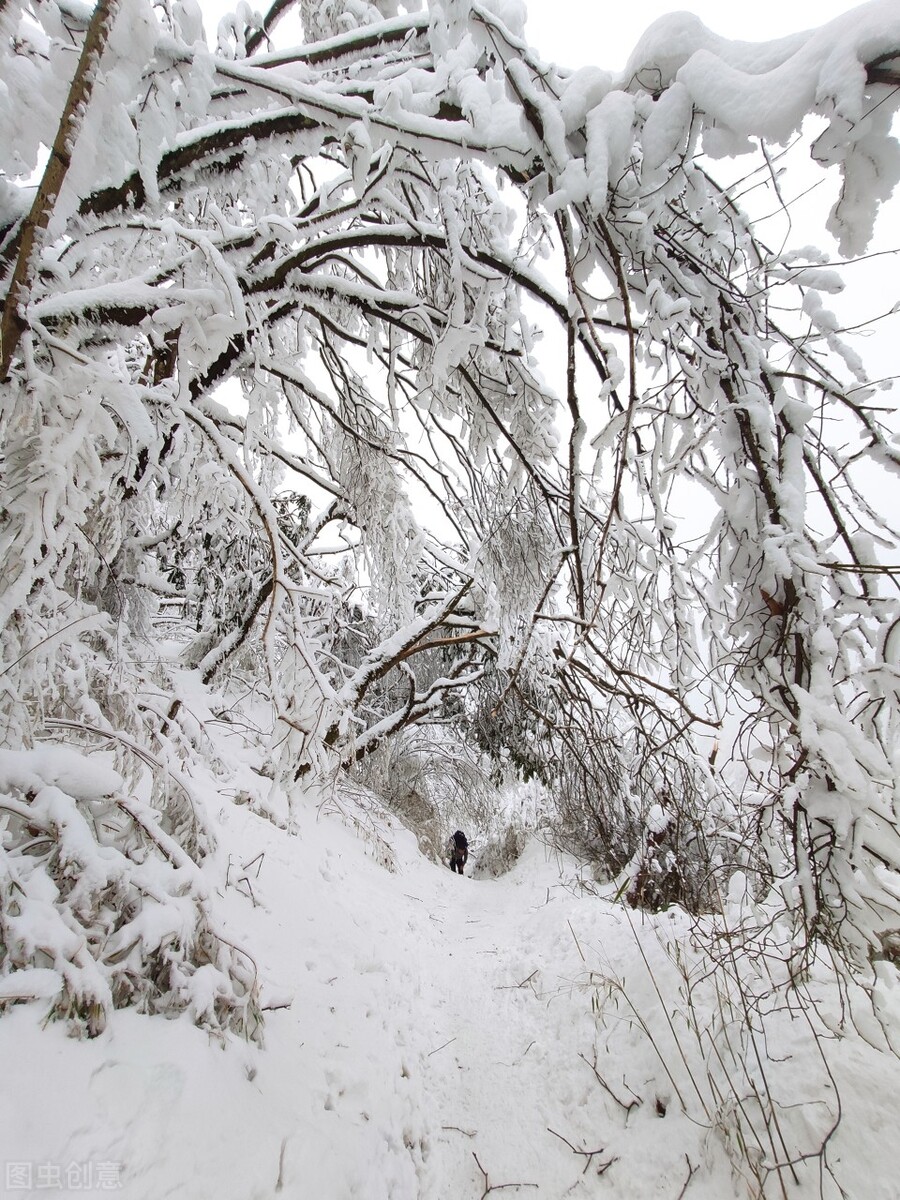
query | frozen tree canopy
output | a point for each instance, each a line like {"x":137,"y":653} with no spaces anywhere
{"x":383,"y":375}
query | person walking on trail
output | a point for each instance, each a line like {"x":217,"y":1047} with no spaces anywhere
{"x":458,"y":851}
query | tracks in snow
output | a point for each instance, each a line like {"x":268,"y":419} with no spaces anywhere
{"x":502,"y":1069}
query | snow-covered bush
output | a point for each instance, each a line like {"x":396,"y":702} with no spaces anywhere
{"x":101,"y":907}
{"x":400,"y":776}
{"x":500,"y":853}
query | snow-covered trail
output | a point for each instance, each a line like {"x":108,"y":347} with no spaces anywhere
{"x":459,"y":1038}
{"x":449,"y":1025}
{"x":492,"y":1076}
{"x":428,"y":1037}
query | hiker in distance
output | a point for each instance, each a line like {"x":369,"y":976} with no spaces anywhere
{"x":458,"y":851}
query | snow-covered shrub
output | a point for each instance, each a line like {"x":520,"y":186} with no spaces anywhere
{"x":499,"y":853}
{"x":660,"y":873}
{"x":732,"y":1045}
{"x":398,"y":775}
{"x":101,"y":908}
{"x":603,"y":783}
{"x":363,"y":812}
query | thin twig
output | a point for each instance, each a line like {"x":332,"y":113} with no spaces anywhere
{"x":578,"y":945}
{"x":244,"y":879}
{"x":511,"y":987}
{"x":279,"y":1182}
{"x":590,"y":1155}
{"x":635,"y":1103}
{"x":257,"y":859}
{"x":453,"y":1039}
{"x":691,"y":1170}
{"x":496,"y":1187}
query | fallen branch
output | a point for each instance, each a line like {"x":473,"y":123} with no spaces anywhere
{"x":590,"y":1155}
{"x":279,"y":1182}
{"x":445,"y":1045}
{"x":257,"y":859}
{"x":496,"y":1187}
{"x":635,"y":1103}
{"x":577,"y":943}
{"x":691,"y":1170}
{"x":511,"y":987}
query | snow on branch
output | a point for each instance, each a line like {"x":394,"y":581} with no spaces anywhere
{"x":767,"y":90}
{"x":46,"y":198}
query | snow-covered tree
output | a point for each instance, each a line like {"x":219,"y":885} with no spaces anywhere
{"x":391,"y":368}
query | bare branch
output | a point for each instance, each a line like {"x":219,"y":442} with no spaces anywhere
{"x":13,"y":321}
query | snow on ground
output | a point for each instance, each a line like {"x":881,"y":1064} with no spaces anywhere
{"x":445,"y":1036}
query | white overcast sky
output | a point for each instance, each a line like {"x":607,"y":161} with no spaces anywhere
{"x":577,"y":33}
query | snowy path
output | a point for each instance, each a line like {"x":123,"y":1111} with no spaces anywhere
{"x":463,"y":1044}
{"x":434,"y":1027}
{"x":477,"y":1011}
{"x":492,"y":1092}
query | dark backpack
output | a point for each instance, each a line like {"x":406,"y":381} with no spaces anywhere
{"x":460,"y":839}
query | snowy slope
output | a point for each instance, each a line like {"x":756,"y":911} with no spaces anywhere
{"x":445,"y":1036}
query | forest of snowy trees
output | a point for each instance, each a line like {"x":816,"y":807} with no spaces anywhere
{"x":381,"y":384}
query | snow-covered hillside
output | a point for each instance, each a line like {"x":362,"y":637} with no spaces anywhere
{"x":432,"y":1036}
